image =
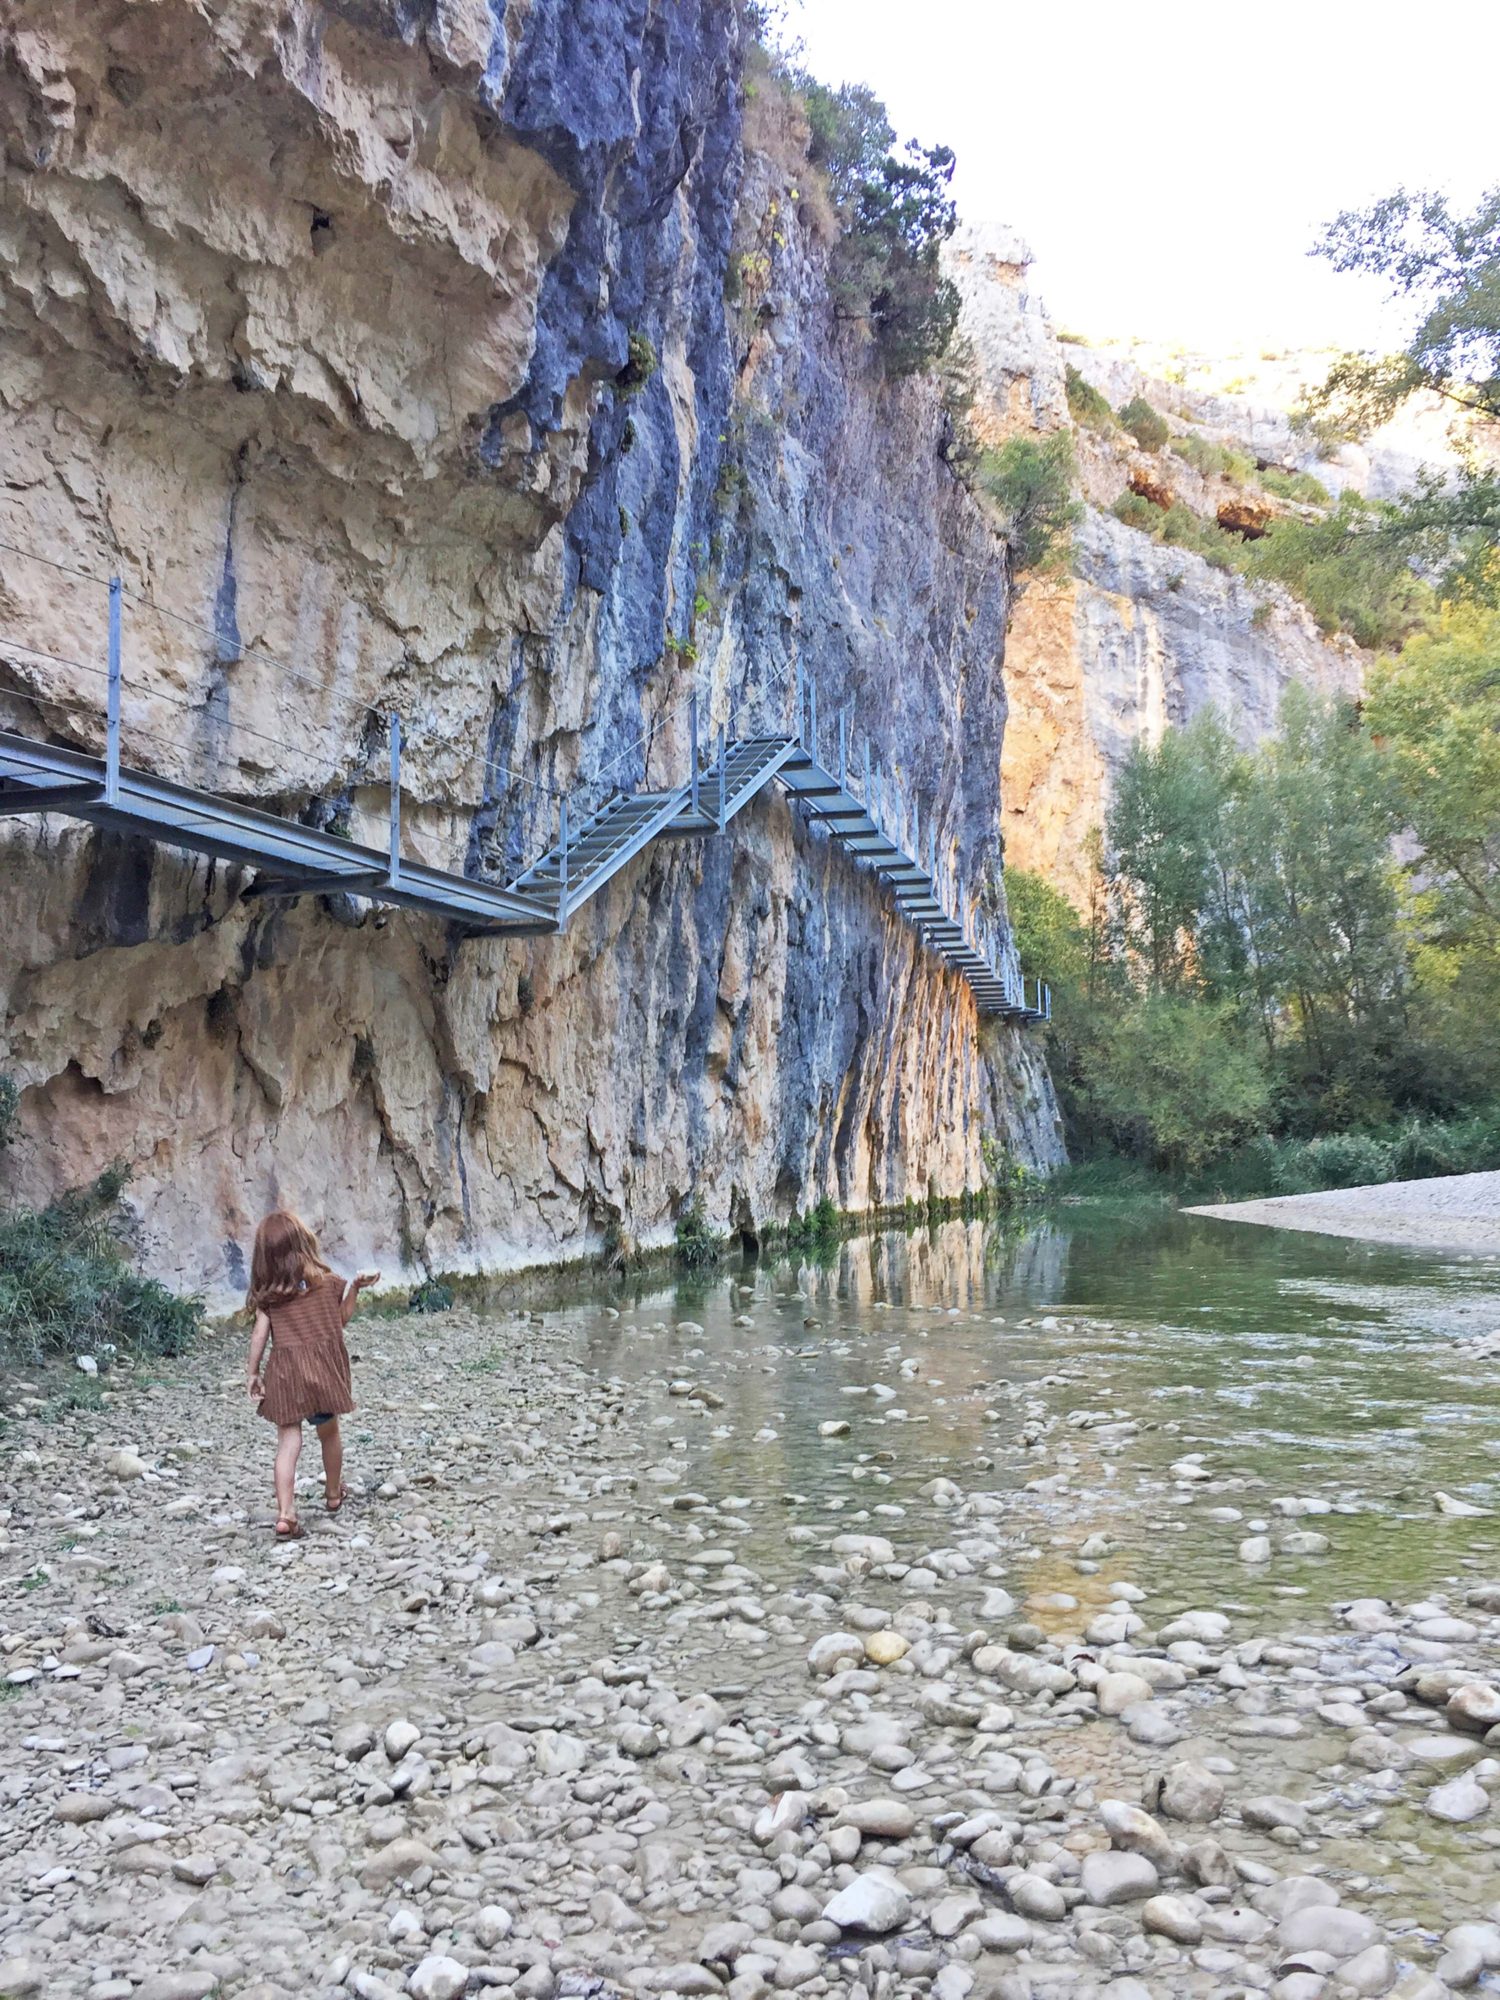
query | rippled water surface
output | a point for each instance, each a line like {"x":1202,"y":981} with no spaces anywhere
{"x":1288,"y":1365}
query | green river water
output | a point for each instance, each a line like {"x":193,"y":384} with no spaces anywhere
{"x":1296,"y":1365}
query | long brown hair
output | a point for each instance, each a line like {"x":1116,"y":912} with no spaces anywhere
{"x":284,"y":1261}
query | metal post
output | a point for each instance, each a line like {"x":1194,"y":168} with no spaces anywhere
{"x":112,"y":712}
{"x":797,"y":696}
{"x":867,"y":774}
{"x":916,"y":826}
{"x":812,"y":718}
{"x":723,"y":772}
{"x":693,"y":729}
{"x":843,"y":749}
{"x":562,"y":865}
{"x":395,"y":868}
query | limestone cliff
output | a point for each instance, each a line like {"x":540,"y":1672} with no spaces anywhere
{"x":461,"y":359}
{"x":1141,"y":636}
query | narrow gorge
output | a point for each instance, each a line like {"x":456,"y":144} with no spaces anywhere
{"x":483,"y":369}
{"x":500,"y":372}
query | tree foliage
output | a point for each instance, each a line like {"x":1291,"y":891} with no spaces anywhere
{"x":1437,"y":707}
{"x":1447,"y":266}
{"x":1251,"y":905}
{"x":1030,"y":482}
{"x":1352,"y":568}
{"x":895,"y":214}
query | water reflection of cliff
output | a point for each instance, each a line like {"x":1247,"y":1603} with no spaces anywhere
{"x":962,"y":1266}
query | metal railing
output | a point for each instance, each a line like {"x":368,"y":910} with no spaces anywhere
{"x":873,"y":816}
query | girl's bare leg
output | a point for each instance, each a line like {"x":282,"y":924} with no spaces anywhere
{"x":332,"y":1445}
{"x":288,"y":1449}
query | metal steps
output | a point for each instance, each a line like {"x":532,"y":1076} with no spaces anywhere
{"x":293,"y":860}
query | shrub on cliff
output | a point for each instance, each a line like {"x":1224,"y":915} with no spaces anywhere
{"x":1030,"y":482}
{"x":65,"y":1287}
{"x":1145,"y":424}
{"x":1085,"y":404}
{"x":1214,"y":461}
{"x":1300,"y":486}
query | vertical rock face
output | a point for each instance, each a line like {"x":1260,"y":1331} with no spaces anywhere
{"x":1141,"y":636}
{"x":464,"y":361}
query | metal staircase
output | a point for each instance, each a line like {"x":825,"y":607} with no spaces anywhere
{"x":290,"y":859}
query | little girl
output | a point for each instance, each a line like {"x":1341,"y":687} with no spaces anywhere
{"x":301,"y":1308}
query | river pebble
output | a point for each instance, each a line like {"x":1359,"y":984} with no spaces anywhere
{"x":561,"y":1704}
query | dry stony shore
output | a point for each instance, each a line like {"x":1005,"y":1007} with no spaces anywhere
{"x":534,"y":1717}
{"x":1459,"y":1212}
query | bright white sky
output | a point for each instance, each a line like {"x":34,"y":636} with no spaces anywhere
{"x":1171,"y":161}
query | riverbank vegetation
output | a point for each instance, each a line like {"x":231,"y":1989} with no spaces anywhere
{"x":66,"y":1286}
{"x":1286,"y":970}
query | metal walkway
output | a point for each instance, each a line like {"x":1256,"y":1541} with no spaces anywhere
{"x":295,"y":860}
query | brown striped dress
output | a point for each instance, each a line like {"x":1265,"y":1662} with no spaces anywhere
{"x":307,"y":1373}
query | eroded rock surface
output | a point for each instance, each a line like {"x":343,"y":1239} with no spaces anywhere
{"x":392,"y":352}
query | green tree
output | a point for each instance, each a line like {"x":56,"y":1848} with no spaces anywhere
{"x":895,"y":213}
{"x":1447,"y":267}
{"x":1311,"y":841}
{"x":1161,"y":834}
{"x":1173,"y":1081}
{"x":904,"y":216}
{"x":1051,"y":937}
{"x":1437,"y":705}
{"x":849,"y":135}
{"x":1030,"y":481}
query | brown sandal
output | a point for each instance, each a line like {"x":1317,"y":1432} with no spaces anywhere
{"x":288,"y":1530}
{"x":335,"y":1504}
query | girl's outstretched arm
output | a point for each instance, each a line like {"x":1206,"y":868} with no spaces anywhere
{"x":258,"y":1338}
{"x":352,"y":1291}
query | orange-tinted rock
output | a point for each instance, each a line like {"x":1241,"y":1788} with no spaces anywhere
{"x":1150,"y":487}
{"x":1242,"y":516}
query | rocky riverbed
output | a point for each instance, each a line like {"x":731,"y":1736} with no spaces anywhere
{"x":838,"y":1639}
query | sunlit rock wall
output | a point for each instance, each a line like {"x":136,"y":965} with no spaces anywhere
{"x":317,"y":328}
{"x":1140,"y":636}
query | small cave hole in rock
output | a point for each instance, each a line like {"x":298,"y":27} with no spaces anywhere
{"x":1245,"y":518}
{"x":1148,"y":488}
{"x":322,"y":231}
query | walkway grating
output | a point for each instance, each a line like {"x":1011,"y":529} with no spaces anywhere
{"x":290,"y":859}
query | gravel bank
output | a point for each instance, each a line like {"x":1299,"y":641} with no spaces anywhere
{"x":1457,"y":1213}
{"x":535,"y":1718}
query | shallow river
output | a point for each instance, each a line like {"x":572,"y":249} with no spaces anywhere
{"x":663,"y":1615}
{"x":1295,"y":1365}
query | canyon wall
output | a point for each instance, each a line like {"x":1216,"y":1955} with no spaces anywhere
{"x":1140,"y":636}
{"x":464,"y":360}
